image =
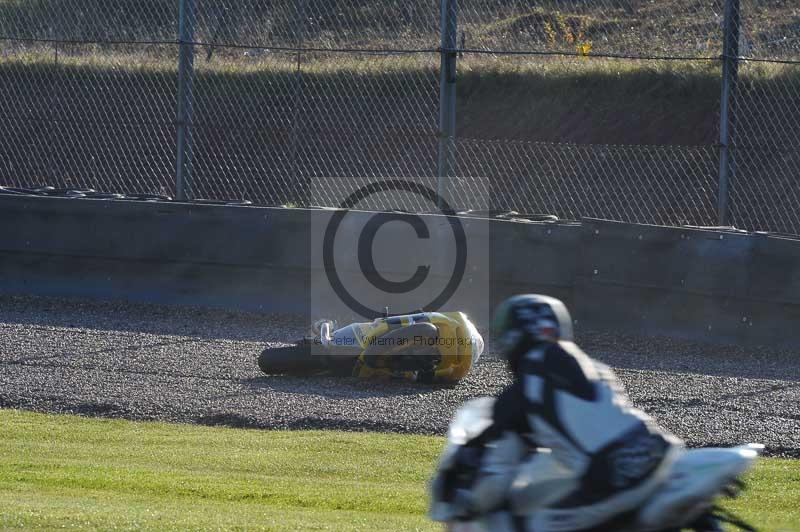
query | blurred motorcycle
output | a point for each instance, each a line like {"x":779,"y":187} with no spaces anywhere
{"x":686,"y":500}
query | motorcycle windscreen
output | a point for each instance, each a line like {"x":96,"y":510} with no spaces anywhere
{"x":475,"y":341}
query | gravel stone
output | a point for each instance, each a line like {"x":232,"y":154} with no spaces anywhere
{"x":147,"y":362}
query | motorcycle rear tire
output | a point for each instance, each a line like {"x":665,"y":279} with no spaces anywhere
{"x":291,"y":360}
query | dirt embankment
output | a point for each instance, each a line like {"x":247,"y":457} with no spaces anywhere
{"x":615,"y":104}
{"x":641,"y":137}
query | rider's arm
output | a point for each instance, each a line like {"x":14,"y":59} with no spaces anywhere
{"x":492,"y":457}
{"x":509,"y":412}
{"x":561,"y":366}
{"x":508,"y":415}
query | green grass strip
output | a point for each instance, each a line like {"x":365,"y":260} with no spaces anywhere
{"x":72,"y":472}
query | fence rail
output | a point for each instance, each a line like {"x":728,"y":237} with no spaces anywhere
{"x":664,"y":112}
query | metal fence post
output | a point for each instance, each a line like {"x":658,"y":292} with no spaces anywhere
{"x":302,"y":189}
{"x":730,"y":77}
{"x":185,"y":95}
{"x":447,"y":97}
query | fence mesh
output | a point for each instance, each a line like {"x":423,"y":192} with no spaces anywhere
{"x":598,"y":108}
{"x":766,"y":118}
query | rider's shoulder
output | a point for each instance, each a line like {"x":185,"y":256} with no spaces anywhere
{"x":564,"y":348}
{"x":562,"y":357}
{"x":554,"y":350}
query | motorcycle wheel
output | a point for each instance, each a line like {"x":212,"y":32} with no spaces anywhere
{"x":291,"y":360}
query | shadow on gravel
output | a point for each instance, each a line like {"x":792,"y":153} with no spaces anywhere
{"x":98,"y":409}
{"x":338,"y":387}
{"x":228,"y":420}
{"x":305,"y":423}
{"x":62,"y":406}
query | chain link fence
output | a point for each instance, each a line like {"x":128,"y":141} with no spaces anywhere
{"x":765,"y":118}
{"x":675,"y":112}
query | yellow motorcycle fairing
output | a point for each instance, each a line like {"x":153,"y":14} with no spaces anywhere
{"x":459,"y":343}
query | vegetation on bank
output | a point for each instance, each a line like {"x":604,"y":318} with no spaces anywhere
{"x":580,"y":100}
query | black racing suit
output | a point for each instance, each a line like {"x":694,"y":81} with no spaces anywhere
{"x":564,"y":401}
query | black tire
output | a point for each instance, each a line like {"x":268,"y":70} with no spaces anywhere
{"x":707,"y":523}
{"x":291,"y":360}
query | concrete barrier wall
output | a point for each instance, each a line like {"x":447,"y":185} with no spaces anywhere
{"x":711,"y":285}
{"x":724,"y":286}
{"x":247,"y":258}
{"x":239,"y":257}
{"x":534,"y":257}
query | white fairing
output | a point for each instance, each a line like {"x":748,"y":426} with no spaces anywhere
{"x":470,"y":420}
{"x":542,"y":480}
{"x":344,"y":337}
{"x":695,"y":479}
{"x":597,"y":422}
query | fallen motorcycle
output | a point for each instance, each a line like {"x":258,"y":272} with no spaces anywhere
{"x":428,"y":347}
{"x":685,"y":500}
